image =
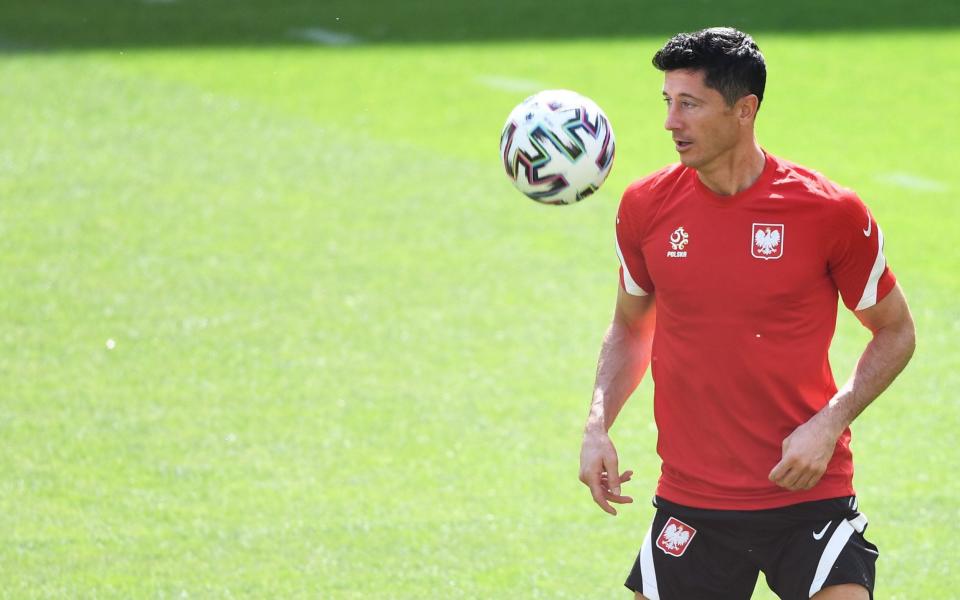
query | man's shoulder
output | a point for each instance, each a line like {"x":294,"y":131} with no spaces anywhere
{"x":838,"y":204}
{"x":796,"y":179}
{"x":654,"y":186}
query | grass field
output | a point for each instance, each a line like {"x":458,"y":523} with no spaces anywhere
{"x":349,"y":360}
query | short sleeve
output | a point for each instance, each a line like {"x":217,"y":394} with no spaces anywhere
{"x":634,"y":277}
{"x":857,"y":264}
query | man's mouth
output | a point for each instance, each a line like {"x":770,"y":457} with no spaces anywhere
{"x":682,"y":145}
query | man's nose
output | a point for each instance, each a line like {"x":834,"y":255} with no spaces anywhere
{"x":672,"y":123}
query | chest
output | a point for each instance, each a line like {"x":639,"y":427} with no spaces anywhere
{"x":760,"y":257}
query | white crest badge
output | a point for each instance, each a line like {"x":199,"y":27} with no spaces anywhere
{"x":767,"y":241}
{"x":678,"y":241}
{"x":675,"y":537}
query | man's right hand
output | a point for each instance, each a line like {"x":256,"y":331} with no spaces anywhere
{"x":599,"y":470}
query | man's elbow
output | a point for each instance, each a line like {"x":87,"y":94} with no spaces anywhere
{"x":903,"y":337}
{"x":909,"y":340}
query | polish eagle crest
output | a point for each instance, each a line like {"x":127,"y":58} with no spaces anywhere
{"x":767,"y":241}
{"x":675,"y":537}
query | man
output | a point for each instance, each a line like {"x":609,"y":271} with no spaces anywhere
{"x":731,"y":265}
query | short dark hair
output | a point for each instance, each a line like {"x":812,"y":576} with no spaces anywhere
{"x":730,"y":59}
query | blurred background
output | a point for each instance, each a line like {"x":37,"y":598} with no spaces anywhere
{"x":274,"y":323}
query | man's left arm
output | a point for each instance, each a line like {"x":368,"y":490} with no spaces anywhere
{"x":808,"y":450}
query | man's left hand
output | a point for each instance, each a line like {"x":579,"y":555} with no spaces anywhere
{"x":806,"y":453}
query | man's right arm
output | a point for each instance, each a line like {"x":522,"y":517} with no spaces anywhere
{"x":624,"y":358}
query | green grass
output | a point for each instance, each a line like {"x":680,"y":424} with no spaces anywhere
{"x":68,"y":24}
{"x":350,"y":359}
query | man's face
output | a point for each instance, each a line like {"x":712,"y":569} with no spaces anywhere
{"x":703,"y":126}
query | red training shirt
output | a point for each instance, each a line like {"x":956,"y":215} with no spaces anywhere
{"x":746,"y":293}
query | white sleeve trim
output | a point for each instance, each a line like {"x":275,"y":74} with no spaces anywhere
{"x":628,"y":282}
{"x":869,"y":297}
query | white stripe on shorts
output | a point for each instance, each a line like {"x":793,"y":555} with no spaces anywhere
{"x":647,"y":572}
{"x":837,"y":541}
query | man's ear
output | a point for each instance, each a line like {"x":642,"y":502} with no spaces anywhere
{"x":747,"y":107}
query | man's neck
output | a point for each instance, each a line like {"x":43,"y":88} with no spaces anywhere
{"x":734,"y":172}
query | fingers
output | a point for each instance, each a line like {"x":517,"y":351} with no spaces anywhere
{"x":603,"y":495}
{"x":600,"y":497}
{"x":612,"y":468}
{"x":795,"y":477}
{"x":597,"y":482}
{"x":624,"y":477}
{"x":780,"y":472}
{"x":805,"y":455}
{"x":788,"y":479}
{"x":619,"y":499}
{"x":787,"y":475}
{"x":791,"y":471}
{"x":608,"y":493}
{"x":809,"y":478}
{"x":599,"y":472}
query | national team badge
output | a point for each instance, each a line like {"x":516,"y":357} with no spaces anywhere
{"x":767,"y":241}
{"x":675,"y":537}
{"x":678,"y":241}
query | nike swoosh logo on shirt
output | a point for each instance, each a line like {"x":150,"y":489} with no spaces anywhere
{"x":817,"y":536}
{"x":869,"y":228}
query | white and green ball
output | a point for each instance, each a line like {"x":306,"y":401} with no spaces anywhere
{"x":557,"y":147}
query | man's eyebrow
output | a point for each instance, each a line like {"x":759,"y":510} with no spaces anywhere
{"x":684,"y":95}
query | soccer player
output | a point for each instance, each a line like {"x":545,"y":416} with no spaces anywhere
{"x":731,"y":265}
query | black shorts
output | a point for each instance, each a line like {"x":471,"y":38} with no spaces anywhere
{"x":701,"y":554}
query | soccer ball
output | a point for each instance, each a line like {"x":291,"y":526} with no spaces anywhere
{"x":557,"y":147}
